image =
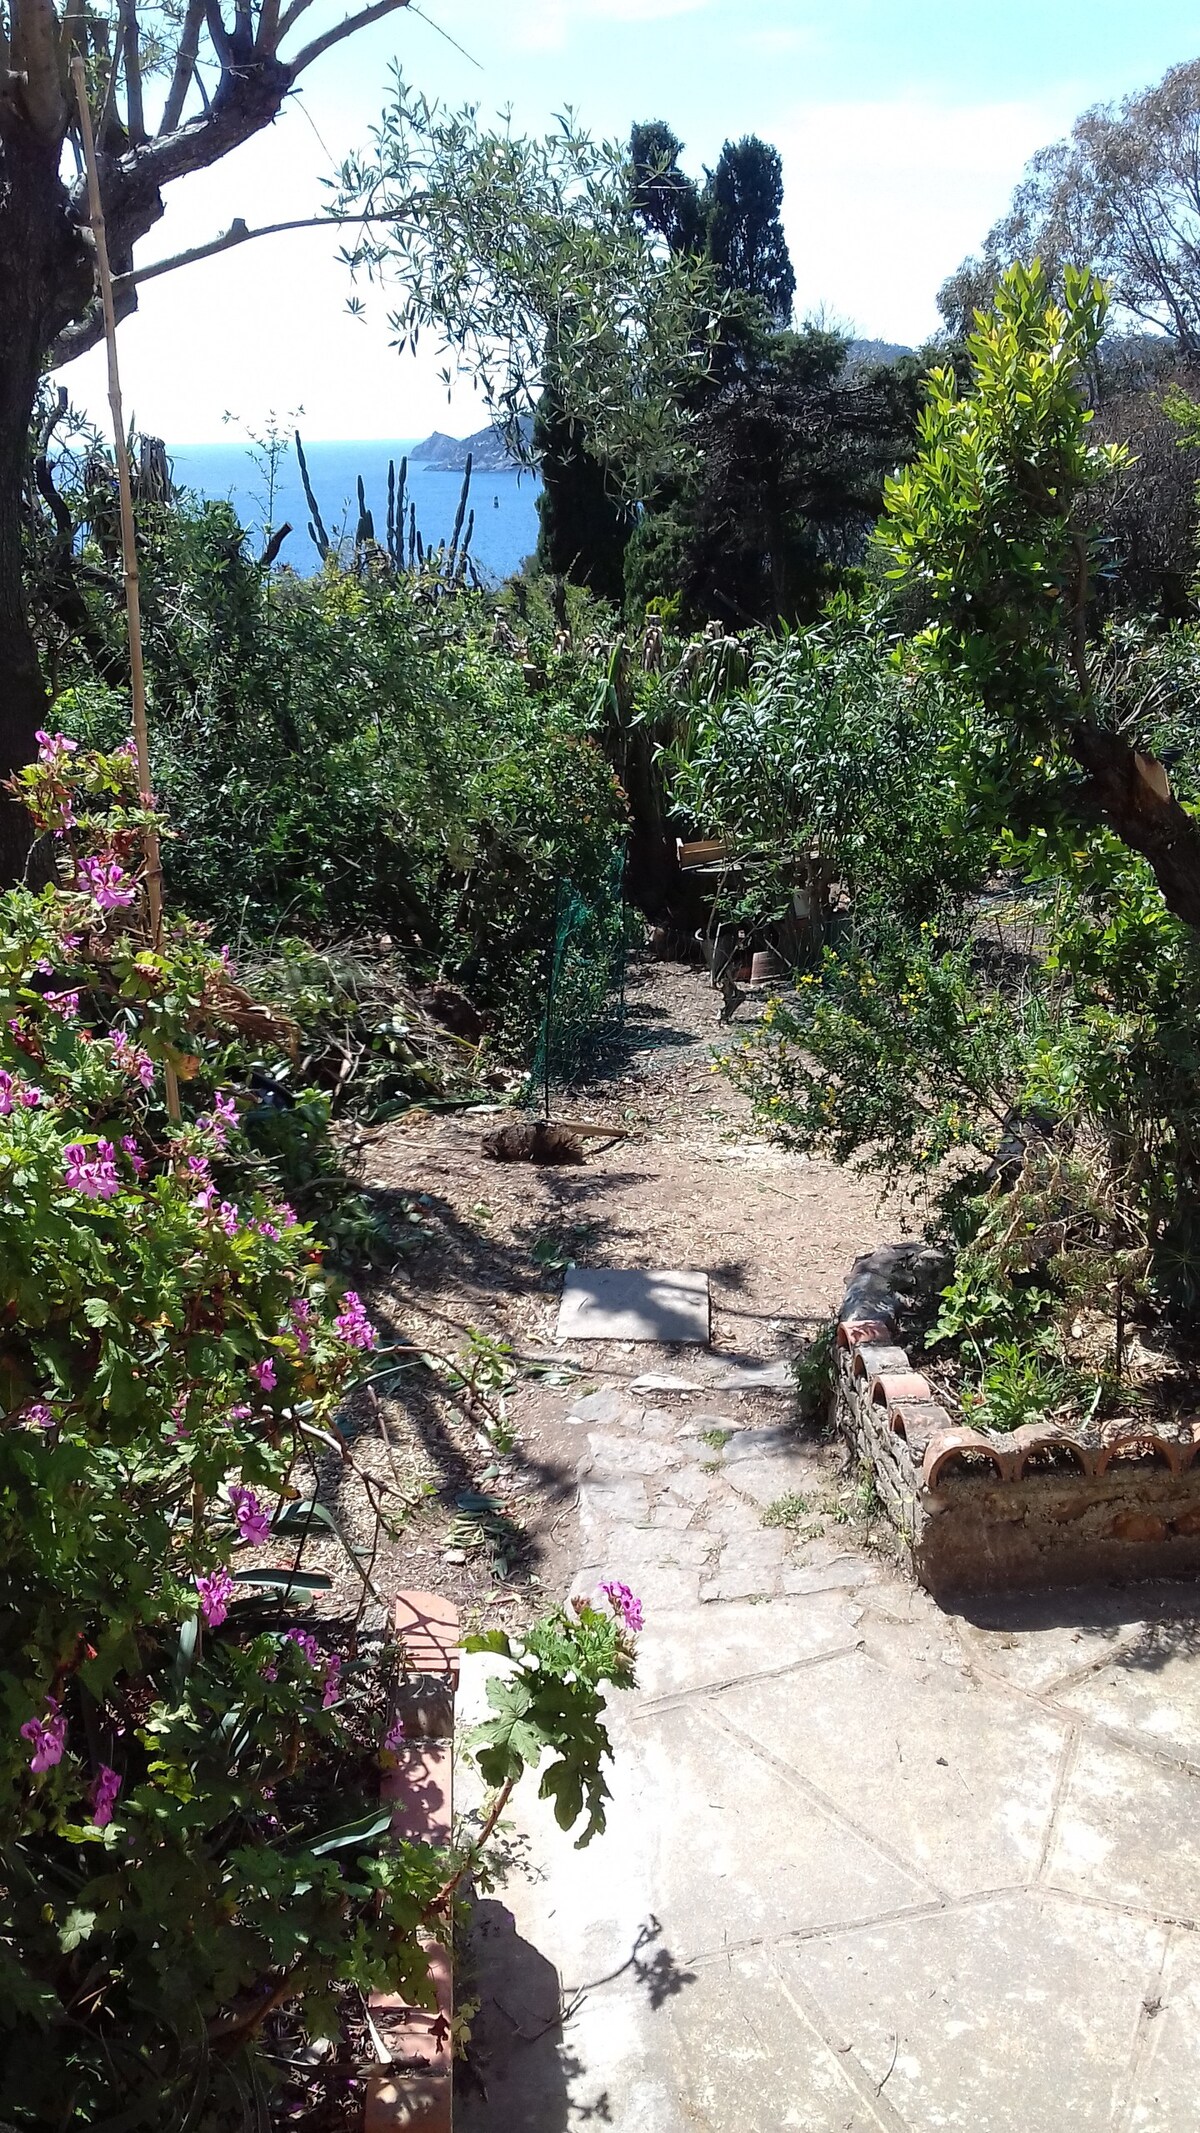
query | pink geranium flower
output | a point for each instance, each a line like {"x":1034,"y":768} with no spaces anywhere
{"x":307,"y":1644}
{"x":352,"y":1322}
{"x":54,"y":748}
{"x":624,"y":1603}
{"x":216,"y":1591}
{"x":47,"y":1737}
{"x":253,"y":1523}
{"x":41,"y":1416}
{"x":106,"y":882}
{"x":137,"y":1161}
{"x":105,"y":1787}
{"x":94,"y":1176}
{"x":264,"y":1374}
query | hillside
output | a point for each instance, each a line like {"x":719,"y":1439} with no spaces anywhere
{"x":489,"y":451}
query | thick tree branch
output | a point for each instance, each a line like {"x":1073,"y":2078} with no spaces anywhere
{"x":1133,"y":794}
{"x":348,"y":28}
{"x":238,"y":233}
{"x":290,"y":16}
{"x":135,"y":117}
{"x":185,"y":66}
{"x":35,"y":56}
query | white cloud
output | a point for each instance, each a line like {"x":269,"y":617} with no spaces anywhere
{"x":884,"y":198}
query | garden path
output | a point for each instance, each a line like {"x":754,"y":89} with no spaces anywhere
{"x":869,"y":1864}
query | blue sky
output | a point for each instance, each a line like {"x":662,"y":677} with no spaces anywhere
{"x":903,"y":125}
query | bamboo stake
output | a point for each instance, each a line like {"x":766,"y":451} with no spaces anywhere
{"x":133,"y":605}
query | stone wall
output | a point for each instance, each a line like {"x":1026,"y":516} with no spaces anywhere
{"x":983,"y":1511}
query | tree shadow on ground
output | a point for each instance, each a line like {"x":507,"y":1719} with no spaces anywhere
{"x":1167,"y":1616}
{"x":521,"y":2071}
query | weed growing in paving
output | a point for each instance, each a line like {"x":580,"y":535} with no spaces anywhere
{"x":790,"y":1510}
{"x":716,"y":1438}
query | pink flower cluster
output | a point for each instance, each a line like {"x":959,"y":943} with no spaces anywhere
{"x":94,"y":1176}
{"x":219,"y":1122}
{"x":624,"y":1603}
{"x":47,"y":1737}
{"x":16,"y":1092}
{"x":253,"y":1523}
{"x":352,"y":1322}
{"x":216,"y":1591}
{"x":300,"y":1311}
{"x":331,"y":1662}
{"x":136,"y":1159}
{"x":54,"y":749}
{"x":105,"y":1787}
{"x":131,"y":1059}
{"x":107,"y":883}
{"x":65,"y":1004}
{"x":41,"y":1416}
{"x":263,"y":1373}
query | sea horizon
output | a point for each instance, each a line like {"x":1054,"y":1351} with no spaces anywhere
{"x":504,"y":501}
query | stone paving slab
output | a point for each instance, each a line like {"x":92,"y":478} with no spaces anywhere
{"x":748,"y":2063}
{"x":615,"y":1304}
{"x":1014,"y":2015}
{"x":955,"y":1781}
{"x":738,"y":1855}
{"x":1168,"y":2078}
{"x":1128,"y":1832}
{"x":871,"y":1867}
{"x":1151,"y":1691}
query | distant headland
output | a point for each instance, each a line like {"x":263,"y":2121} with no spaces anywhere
{"x":489,"y":450}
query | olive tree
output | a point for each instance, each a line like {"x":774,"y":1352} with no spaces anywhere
{"x":501,"y":244}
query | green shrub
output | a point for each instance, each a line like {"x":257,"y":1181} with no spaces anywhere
{"x":345,"y":754}
{"x":190,"y":1825}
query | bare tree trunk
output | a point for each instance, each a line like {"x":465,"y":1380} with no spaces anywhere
{"x":45,"y":275}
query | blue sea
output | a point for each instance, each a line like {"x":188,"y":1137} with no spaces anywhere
{"x":505,"y":505}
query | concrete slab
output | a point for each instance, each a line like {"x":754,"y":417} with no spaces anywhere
{"x":616,"y":1304}
{"x":757,"y":1377}
{"x":607,"y":1405}
{"x":1034,"y":1639}
{"x":1013,"y":2015}
{"x":748,"y":2064}
{"x":740,"y":1855}
{"x":847,"y":1573}
{"x":957,"y":1783}
{"x":1152,"y":1690}
{"x":1167,"y":2079}
{"x":764,"y":1481}
{"x":631,"y":1455}
{"x":725,"y":1644}
{"x":1128,"y":1832}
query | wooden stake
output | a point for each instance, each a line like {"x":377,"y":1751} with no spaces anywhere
{"x":133,"y":606}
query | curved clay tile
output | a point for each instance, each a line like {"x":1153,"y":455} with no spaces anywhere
{"x":876,"y":1356}
{"x":1141,"y":1444}
{"x":893,"y":1386}
{"x":1045,"y":1440}
{"x":852,"y":1332}
{"x":960,"y":1447}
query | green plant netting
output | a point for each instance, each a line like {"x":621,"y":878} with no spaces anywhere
{"x":585,"y":982}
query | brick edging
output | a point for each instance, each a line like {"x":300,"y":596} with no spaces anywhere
{"x":417,"y":2090}
{"x":982,"y":1509}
